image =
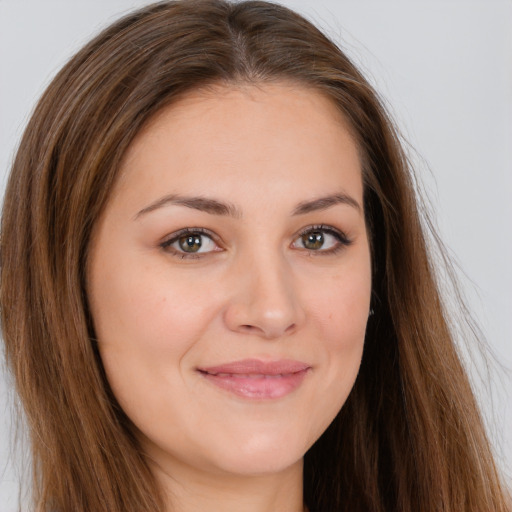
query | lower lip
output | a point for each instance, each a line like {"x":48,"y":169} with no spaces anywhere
{"x":258,"y":388}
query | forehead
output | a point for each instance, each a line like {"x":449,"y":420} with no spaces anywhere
{"x":270,"y":135}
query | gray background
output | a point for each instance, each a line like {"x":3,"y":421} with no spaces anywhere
{"x":445,"y":70}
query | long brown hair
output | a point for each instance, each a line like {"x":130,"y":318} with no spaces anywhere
{"x":409,"y":437}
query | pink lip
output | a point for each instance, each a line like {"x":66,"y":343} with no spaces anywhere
{"x":255,"y":379}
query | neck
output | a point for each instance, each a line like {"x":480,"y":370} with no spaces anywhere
{"x":188,"y":490}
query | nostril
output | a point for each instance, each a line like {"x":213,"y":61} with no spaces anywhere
{"x":290,"y":328}
{"x":268,"y":333}
{"x":252,"y":329}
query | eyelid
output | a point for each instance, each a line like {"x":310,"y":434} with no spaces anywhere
{"x":342,"y":240}
{"x":167,"y":242}
{"x":323,"y":227}
{"x":341,"y":237}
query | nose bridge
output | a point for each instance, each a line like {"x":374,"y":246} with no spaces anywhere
{"x":264,"y":301}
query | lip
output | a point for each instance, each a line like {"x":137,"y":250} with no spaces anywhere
{"x":256,"y":379}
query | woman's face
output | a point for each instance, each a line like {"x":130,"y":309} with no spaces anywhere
{"x":229,"y":278}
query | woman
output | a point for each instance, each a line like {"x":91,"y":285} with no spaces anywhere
{"x":216,"y":292}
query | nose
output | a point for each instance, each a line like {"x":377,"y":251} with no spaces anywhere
{"x":264,"y":301}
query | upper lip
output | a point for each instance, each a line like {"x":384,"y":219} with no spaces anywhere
{"x":256,"y":366}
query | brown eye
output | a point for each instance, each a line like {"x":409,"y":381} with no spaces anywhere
{"x":321,"y":239}
{"x":313,"y":240}
{"x":190,"y":243}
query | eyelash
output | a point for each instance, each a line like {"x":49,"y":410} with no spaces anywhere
{"x":166,"y":244}
{"x":341,"y":238}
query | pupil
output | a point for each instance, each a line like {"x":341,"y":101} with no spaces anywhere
{"x":313,"y":240}
{"x":190,"y":243}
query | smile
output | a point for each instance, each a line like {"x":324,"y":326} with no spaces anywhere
{"x":257,"y":380}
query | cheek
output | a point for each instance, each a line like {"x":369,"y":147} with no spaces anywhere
{"x":343,"y":324}
{"x":340,"y":313}
{"x":145,"y":310}
{"x":341,"y":308}
{"x":146,"y":323}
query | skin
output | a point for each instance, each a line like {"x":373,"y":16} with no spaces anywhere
{"x":254,"y":290}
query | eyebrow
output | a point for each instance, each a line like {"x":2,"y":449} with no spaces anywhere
{"x":215,"y":207}
{"x":202,"y":204}
{"x":323,"y":203}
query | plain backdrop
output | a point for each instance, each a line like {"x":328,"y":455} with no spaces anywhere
{"x":444,"y":68}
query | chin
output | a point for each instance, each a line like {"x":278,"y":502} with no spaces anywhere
{"x":261,"y":455}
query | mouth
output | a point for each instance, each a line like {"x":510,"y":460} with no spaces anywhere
{"x":255,"y":379}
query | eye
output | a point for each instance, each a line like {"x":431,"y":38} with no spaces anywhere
{"x":190,"y":242}
{"x":322,"y":239}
